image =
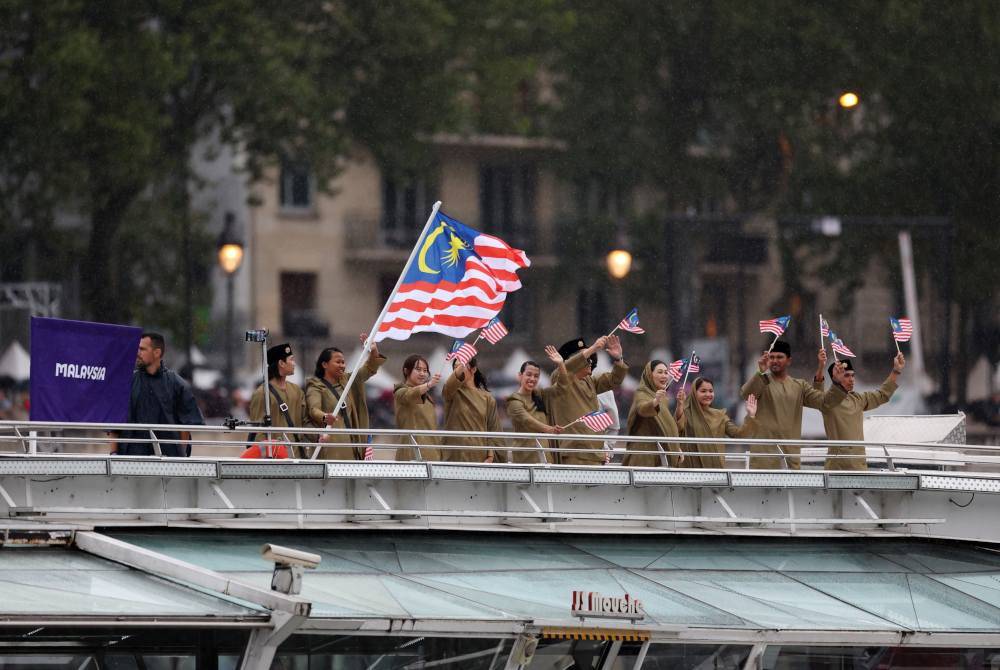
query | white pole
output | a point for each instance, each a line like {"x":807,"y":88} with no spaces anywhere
{"x":822,"y":341}
{"x":381,"y":317}
{"x":688,"y":370}
{"x":910,"y":298}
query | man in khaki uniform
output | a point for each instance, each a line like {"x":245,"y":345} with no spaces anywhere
{"x":288,"y":402}
{"x":574,"y":393}
{"x":323,"y":391}
{"x":779,"y":408}
{"x":844,"y":419}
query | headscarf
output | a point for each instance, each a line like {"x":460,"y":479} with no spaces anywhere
{"x":704,"y":422}
{"x":646,"y":393}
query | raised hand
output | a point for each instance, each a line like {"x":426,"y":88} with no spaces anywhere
{"x":599,"y":343}
{"x":613,"y":346}
{"x":659,"y":397}
{"x":752,"y":406}
{"x":838,"y":373}
{"x":821,"y":358}
{"x":899,"y":362}
{"x":762,"y":361}
{"x":432,"y":382}
{"x":373,"y":349}
{"x":553,"y":354}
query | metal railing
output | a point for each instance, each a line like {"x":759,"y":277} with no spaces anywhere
{"x":26,"y":437}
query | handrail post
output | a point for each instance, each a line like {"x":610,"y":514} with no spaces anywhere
{"x":155,"y":442}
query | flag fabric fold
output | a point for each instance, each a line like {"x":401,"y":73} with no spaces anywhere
{"x":775,"y":326}
{"x":695,"y":364}
{"x":463,"y":351}
{"x":598,"y":421}
{"x":457,"y":283}
{"x":841,"y":348}
{"x":824,"y":327}
{"x":494,"y":331}
{"x":631,"y":322}
{"x":902,"y":329}
{"x":676,"y":369}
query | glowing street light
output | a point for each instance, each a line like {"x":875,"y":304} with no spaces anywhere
{"x":619,"y":263}
{"x":230,"y":252}
{"x":848,"y":100}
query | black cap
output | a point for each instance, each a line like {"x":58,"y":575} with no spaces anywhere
{"x":278,"y":352}
{"x":847,"y":365}
{"x":575,"y":345}
{"x":782,"y":347}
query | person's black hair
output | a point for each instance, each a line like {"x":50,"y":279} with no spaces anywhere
{"x":525,"y":364}
{"x":156,"y":340}
{"x":478,"y":378}
{"x":656,"y":361}
{"x":324,"y":357}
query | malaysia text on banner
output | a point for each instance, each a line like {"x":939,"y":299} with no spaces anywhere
{"x":81,"y":371}
{"x":458,"y":282}
{"x":494,"y":331}
{"x":902,"y":329}
{"x":775,"y":326}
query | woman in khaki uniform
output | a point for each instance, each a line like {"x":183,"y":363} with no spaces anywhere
{"x":526,"y":409}
{"x":697,"y":418}
{"x":415,"y":409}
{"x":323,"y":391}
{"x":650,"y":415}
{"x":468,"y":406}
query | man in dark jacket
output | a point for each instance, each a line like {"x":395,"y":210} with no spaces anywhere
{"x":159,"y":395}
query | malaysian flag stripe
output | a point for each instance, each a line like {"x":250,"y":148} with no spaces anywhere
{"x":369,"y":453}
{"x":494,"y":331}
{"x":598,"y":421}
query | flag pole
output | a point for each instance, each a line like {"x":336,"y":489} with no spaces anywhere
{"x":898,"y":350}
{"x":688,"y":370}
{"x":770,"y":348}
{"x":822,"y":341}
{"x":381,"y":317}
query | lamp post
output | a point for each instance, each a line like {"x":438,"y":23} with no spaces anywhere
{"x":230,"y":253}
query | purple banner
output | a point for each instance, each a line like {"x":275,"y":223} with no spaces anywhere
{"x":81,"y":371}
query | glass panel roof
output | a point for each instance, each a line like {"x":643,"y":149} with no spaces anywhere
{"x":68,"y":582}
{"x":710,"y":581}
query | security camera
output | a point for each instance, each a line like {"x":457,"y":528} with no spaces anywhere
{"x":288,"y":566}
{"x":288,"y":556}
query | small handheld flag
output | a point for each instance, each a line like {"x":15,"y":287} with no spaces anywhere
{"x":902,"y":329}
{"x":463,"y":351}
{"x":369,"y":453}
{"x":631,"y":323}
{"x":695,"y":365}
{"x":494,"y":331}
{"x":675,"y":369}
{"x":841,"y":348}
{"x":775,"y":326}
{"x":598,"y":421}
{"x":824,"y":327}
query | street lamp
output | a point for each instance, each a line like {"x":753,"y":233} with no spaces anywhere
{"x":619,"y":263}
{"x":619,"y":259}
{"x":848,"y":99}
{"x":230,"y":253}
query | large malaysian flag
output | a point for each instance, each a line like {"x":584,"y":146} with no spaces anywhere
{"x":457,"y":282}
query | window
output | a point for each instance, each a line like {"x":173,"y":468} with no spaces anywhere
{"x":507,"y":201}
{"x":406,"y":205}
{"x":295,"y":192}
{"x":299,"y":316}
